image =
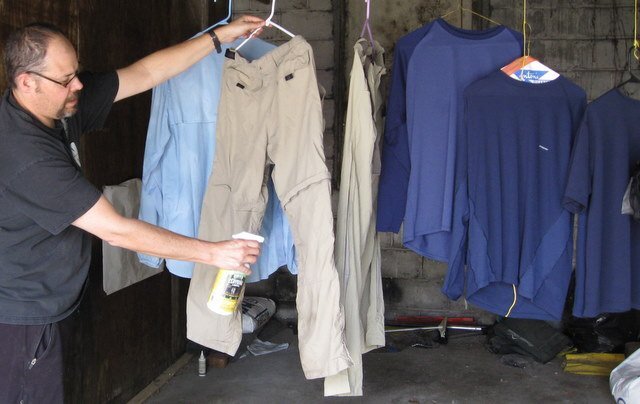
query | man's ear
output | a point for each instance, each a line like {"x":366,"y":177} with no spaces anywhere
{"x":26,"y":83}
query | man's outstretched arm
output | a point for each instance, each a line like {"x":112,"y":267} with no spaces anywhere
{"x":103,"y":221}
{"x":160,"y":66}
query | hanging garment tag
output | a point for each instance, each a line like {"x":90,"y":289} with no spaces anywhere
{"x":531,"y":72}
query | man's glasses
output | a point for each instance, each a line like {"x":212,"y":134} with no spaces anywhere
{"x":64,"y":84}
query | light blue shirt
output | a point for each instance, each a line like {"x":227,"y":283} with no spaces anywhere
{"x":179,"y":153}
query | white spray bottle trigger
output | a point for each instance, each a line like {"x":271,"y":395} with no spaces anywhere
{"x":248,"y":236}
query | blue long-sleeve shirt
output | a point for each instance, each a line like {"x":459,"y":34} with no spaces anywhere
{"x":510,"y":226}
{"x":394,"y":175}
{"x":179,"y":153}
{"x":419,"y":163}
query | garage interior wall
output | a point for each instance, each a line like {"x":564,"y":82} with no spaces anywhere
{"x":118,"y":344}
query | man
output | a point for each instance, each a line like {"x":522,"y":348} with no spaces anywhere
{"x":47,"y":208}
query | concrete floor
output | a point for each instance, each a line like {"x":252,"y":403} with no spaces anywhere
{"x":462,"y":371}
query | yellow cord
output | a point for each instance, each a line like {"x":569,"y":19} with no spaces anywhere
{"x":524,"y":28}
{"x":515,"y":299}
{"x":526,"y":42}
{"x":636,"y":43}
{"x":470,"y":11}
{"x":482,"y":16}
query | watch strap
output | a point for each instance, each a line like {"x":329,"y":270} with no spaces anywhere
{"x":216,"y":41}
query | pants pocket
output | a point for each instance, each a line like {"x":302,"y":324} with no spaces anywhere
{"x":44,"y":378}
{"x":43,"y":345}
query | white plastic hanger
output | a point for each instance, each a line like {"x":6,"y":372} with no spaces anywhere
{"x":268,"y":22}
{"x":366,"y":27}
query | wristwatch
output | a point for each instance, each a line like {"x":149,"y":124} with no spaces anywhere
{"x":216,"y":41}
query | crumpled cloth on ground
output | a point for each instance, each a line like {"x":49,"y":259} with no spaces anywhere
{"x":259,"y":347}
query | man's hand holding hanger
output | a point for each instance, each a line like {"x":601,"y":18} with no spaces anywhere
{"x":241,"y":27}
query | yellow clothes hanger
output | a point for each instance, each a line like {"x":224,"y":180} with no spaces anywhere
{"x":460,"y":8}
{"x":527,"y":68}
{"x":634,"y":50}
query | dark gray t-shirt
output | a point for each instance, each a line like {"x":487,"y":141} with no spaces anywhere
{"x":44,"y":260}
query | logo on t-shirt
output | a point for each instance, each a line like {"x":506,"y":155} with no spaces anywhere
{"x":75,"y":154}
{"x":72,"y":145}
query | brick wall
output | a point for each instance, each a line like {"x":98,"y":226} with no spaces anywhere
{"x":585,"y":40}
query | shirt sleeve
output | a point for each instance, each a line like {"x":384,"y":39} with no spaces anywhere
{"x":96,"y":98}
{"x":578,"y":189}
{"x":454,"y":283}
{"x":396,"y":166}
{"x":52,"y":192}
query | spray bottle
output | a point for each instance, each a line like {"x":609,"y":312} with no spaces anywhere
{"x":228,"y":285}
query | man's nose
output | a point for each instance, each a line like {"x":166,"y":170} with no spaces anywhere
{"x":76,"y":84}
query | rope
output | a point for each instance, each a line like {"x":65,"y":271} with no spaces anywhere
{"x":526,"y":42}
{"x":636,"y":43}
{"x":515,"y":299}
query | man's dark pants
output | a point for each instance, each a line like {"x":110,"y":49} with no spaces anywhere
{"x":31,"y":368}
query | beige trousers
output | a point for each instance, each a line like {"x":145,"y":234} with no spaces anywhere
{"x":357,"y":248}
{"x":270,"y":123}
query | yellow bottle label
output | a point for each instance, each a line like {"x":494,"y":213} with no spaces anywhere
{"x":225,"y":292}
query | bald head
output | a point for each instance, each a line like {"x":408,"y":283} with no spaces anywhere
{"x":26,"y":49}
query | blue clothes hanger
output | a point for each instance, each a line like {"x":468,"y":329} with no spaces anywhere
{"x":223,"y":21}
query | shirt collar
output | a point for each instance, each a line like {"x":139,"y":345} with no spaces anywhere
{"x":26,"y":116}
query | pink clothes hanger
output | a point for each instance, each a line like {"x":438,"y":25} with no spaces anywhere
{"x":366,"y":27}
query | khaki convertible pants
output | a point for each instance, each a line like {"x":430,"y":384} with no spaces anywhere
{"x":270,"y":123}
{"x":357,"y":249}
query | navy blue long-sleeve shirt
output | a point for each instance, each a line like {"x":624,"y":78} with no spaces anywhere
{"x":510,"y":226}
